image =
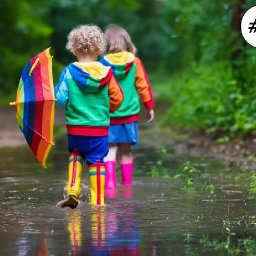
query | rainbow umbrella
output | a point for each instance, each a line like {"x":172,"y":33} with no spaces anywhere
{"x":35,"y":105}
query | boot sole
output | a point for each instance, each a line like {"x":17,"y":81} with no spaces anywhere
{"x":69,"y":202}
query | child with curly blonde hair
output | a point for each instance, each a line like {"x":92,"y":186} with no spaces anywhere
{"x":89,"y":92}
{"x":132,"y":77}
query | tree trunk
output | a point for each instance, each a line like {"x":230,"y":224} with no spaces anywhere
{"x":237,"y":13}
{"x":237,"y":56}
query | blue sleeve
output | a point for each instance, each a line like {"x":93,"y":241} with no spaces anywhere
{"x":61,"y":89}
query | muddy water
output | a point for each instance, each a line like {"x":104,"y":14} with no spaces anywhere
{"x":160,"y":214}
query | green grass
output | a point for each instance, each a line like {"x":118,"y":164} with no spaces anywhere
{"x":207,"y":98}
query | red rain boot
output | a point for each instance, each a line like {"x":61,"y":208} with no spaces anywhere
{"x":110,"y":176}
{"x":126,"y":170}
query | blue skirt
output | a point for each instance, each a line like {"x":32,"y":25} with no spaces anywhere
{"x":123,"y":133}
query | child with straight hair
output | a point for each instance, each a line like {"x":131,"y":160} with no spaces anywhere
{"x":89,"y":92}
{"x":132,"y":77}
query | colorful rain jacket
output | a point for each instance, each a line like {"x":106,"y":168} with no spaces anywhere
{"x":132,"y":77}
{"x":89,"y":92}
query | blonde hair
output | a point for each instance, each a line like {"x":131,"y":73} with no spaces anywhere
{"x":86,"y":39}
{"x":118,"y":40}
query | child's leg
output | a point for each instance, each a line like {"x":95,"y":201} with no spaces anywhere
{"x":97,"y":150}
{"x":97,"y":183}
{"x":74,"y":175}
{"x":126,"y":162}
{"x":125,"y":153}
{"x":73,"y":188}
{"x":111,"y":156}
{"x":110,"y":164}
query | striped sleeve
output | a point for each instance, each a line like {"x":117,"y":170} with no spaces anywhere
{"x":143,"y":85}
{"x":115,"y":93}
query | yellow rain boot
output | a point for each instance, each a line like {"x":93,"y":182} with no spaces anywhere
{"x":73,"y":188}
{"x":97,"y":183}
{"x":74,"y":175}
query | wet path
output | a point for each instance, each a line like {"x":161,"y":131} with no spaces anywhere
{"x":177,"y":205}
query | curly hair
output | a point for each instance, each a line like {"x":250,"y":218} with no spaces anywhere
{"x":86,"y":39}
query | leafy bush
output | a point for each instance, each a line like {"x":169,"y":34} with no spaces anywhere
{"x":208,"y":97}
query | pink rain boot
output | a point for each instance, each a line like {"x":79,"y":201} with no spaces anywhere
{"x":110,"y":176}
{"x":126,"y":170}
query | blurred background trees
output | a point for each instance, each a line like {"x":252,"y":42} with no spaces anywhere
{"x":193,"y":50}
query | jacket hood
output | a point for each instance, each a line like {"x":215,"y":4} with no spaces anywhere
{"x":90,"y":76}
{"x":120,"y":62}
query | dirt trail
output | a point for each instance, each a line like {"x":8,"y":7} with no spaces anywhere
{"x":10,"y":134}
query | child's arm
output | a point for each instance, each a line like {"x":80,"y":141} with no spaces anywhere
{"x":115,"y":94}
{"x":144,"y":89}
{"x":61,"y":90}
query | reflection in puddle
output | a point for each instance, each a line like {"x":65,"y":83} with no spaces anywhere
{"x":109,"y":231}
{"x":75,"y":230}
{"x":43,"y":248}
{"x":155,"y":216}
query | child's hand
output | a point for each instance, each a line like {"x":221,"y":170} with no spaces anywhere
{"x":150,"y":115}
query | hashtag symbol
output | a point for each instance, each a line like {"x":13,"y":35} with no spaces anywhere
{"x":252,"y":26}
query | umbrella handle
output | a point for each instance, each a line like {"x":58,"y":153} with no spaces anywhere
{"x":33,"y":67}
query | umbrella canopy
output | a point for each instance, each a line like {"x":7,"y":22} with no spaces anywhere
{"x":35,"y":105}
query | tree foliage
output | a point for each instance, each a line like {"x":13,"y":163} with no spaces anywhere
{"x":209,"y":66}
{"x":215,"y":91}
{"x":24,"y":32}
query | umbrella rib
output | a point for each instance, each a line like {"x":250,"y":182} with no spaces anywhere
{"x":42,"y":136}
{"x":28,"y":125}
{"x":33,"y":67}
